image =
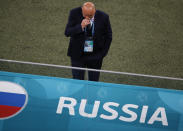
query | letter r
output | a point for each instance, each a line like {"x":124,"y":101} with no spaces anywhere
{"x":70,"y":106}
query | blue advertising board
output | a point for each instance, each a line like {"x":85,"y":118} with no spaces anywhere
{"x":42,"y":103}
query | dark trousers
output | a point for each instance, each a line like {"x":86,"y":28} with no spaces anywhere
{"x":93,"y":64}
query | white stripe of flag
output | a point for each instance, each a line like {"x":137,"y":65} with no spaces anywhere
{"x":10,"y":87}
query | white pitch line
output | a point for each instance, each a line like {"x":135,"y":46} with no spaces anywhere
{"x":87,"y":69}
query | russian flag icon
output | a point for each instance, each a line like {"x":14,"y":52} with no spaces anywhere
{"x":13,"y":98}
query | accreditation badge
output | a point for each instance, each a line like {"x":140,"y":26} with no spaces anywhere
{"x":88,"y":46}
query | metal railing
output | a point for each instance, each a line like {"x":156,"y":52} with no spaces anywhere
{"x":106,"y":75}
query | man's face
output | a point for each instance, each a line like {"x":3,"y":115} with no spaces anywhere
{"x":88,"y":12}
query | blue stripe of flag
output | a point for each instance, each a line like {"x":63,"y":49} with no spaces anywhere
{"x":12,"y":99}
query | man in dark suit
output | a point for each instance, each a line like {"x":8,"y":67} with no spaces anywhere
{"x":90,"y":39}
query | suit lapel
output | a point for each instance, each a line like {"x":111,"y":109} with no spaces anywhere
{"x":95,"y":23}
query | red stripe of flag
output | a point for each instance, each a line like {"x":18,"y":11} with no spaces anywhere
{"x":6,"y":111}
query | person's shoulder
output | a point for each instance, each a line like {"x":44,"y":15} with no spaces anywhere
{"x":101,"y":13}
{"x":76,"y":10}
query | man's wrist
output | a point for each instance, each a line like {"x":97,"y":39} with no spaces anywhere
{"x":82,"y":28}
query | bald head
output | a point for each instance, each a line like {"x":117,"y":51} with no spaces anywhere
{"x":88,"y":10}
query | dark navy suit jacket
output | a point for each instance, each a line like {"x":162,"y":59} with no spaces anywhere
{"x":102,"y":34}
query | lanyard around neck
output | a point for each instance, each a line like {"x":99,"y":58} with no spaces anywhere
{"x":92,"y":28}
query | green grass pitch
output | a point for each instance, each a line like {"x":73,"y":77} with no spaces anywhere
{"x":147,"y":38}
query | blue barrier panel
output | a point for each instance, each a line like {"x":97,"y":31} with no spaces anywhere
{"x":41,"y":103}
